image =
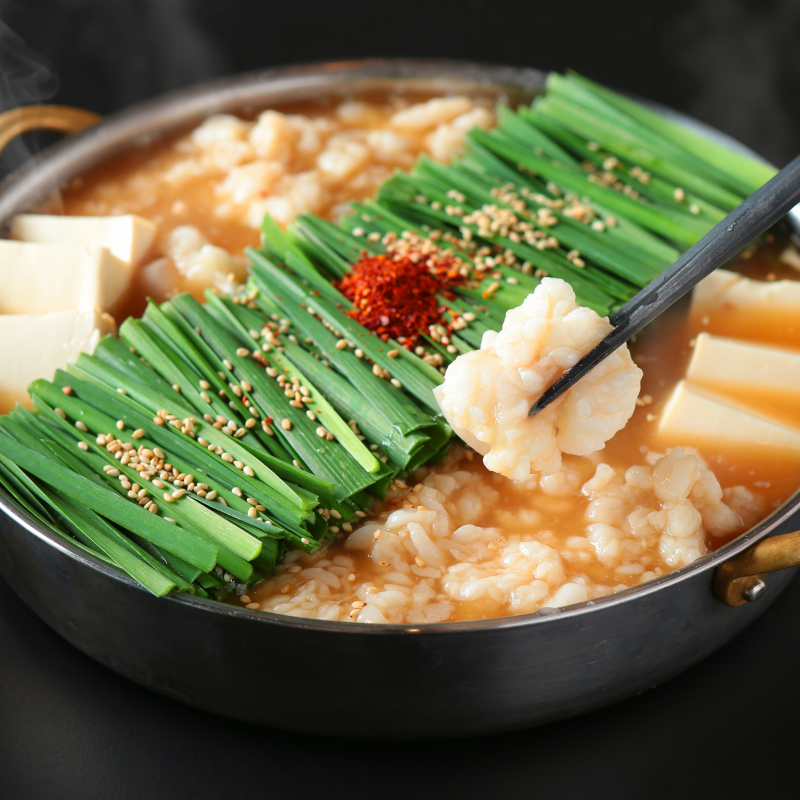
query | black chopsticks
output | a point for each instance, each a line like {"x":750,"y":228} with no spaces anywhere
{"x":747,"y":221}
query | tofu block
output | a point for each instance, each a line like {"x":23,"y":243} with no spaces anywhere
{"x":744,"y":366}
{"x":723,"y":290}
{"x":696,"y":416}
{"x":43,"y":278}
{"x":127,"y":237}
{"x":35,"y":346}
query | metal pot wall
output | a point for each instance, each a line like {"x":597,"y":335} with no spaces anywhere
{"x":369,"y":680}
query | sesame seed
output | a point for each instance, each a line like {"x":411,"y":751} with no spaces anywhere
{"x":158,"y":420}
{"x":138,"y":433}
{"x":237,"y":491}
{"x":377,"y":534}
{"x":60,"y":413}
{"x":358,"y":604}
{"x":250,"y":423}
{"x":158,"y":484}
{"x":120,"y":425}
{"x":249,"y":472}
{"x":304,"y":540}
{"x":205,"y":397}
{"x":359,"y":353}
{"x":341,"y":344}
{"x":286,"y":424}
{"x":397,"y":383}
{"x":420,"y":562}
{"x":211,"y":495}
{"x":253,"y":605}
{"x":376,"y":370}
{"x":81,"y":426}
{"x":178,"y":494}
{"x":393,"y":353}
{"x":252,"y":513}
{"x":238,"y":465}
{"x":246,"y":386}
{"x":321,"y":431}
{"x":66,"y":389}
{"x":168,"y":497}
{"x":241,"y":352}
{"x":83,"y":445}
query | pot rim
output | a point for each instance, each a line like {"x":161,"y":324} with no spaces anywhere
{"x":174,"y":110}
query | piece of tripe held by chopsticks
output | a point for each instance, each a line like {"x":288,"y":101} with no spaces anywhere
{"x":487,"y":393}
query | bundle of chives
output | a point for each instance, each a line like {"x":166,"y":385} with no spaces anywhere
{"x":261,"y":419}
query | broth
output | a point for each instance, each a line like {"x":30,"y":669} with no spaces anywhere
{"x":512,"y":513}
{"x":173,"y":183}
{"x":662,"y":351}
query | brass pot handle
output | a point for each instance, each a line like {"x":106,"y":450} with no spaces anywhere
{"x":54,"y":118}
{"x":740,"y":579}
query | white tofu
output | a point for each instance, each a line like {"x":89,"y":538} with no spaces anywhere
{"x":695,"y":416}
{"x":128,"y":237}
{"x":723,"y":290}
{"x":743,"y":366}
{"x":43,"y":278}
{"x":34,"y":347}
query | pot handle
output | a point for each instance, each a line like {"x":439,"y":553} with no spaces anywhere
{"x":45,"y":117}
{"x":740,"y":579}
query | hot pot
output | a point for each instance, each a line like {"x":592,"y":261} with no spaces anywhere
{"x":393,"y":681}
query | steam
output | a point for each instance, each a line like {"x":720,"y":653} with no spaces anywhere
{"x":25,"y":77}
{"x":110,"y":54}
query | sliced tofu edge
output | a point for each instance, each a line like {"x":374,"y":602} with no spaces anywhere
{"x":695,"y":415}
{"x":39,"y":344}
{"x":127,"y":236}
{"x":739,"y":364}
{"x":44,"y":277}
{"x":724,"y":288}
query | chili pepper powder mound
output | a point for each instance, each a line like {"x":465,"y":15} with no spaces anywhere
{"x":396,"y":296}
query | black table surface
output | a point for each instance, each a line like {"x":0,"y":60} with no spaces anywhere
{"x":70,"y":728}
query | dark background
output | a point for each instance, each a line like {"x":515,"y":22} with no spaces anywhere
{"x":71,"y":729}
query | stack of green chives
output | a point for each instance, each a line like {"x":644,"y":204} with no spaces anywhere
{"x":287,"y":413}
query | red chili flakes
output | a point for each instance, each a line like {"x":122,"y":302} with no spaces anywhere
{"x":396,"y":296}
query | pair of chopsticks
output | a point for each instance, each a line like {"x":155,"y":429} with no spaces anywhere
{"x":747,"y":221}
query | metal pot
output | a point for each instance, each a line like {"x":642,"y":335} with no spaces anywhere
{"x":393,"y":681}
